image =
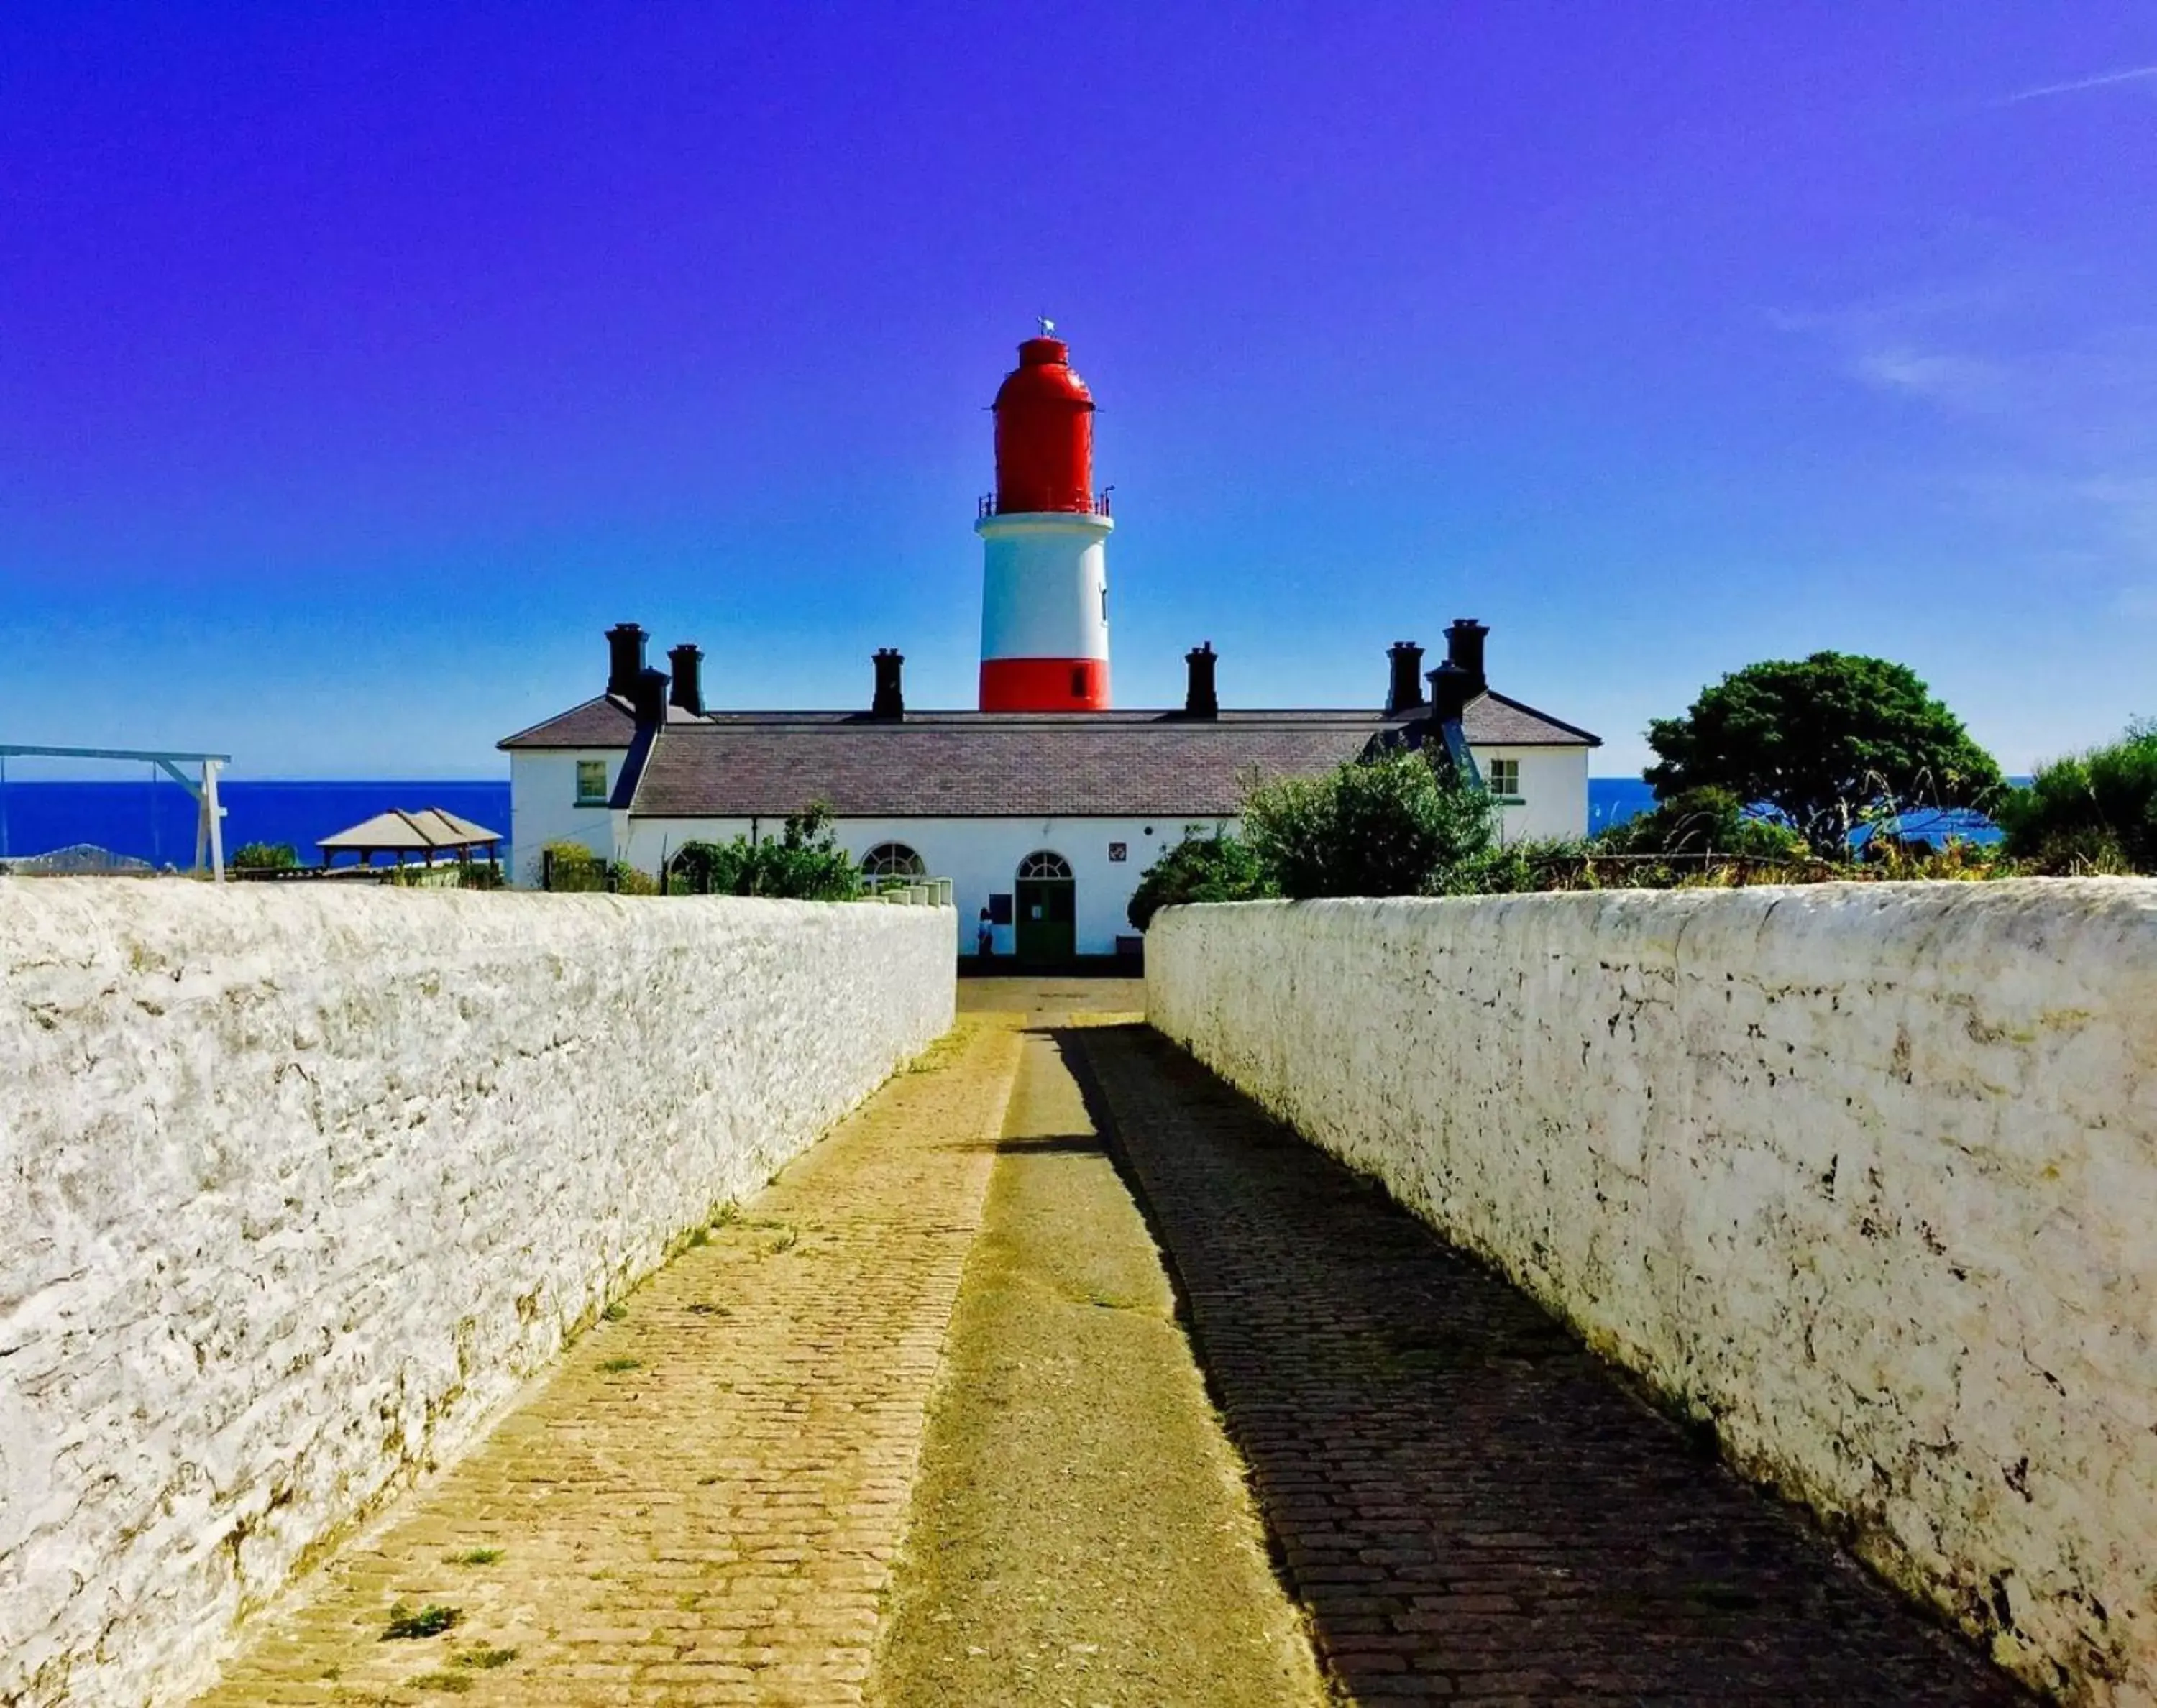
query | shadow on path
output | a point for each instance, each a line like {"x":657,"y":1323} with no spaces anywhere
{"x":1469,"y":1504}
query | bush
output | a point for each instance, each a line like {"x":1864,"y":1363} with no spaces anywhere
{"x":804,"y":863}
{"x":2093,"y":812}
{"x":265,"y":857}
{"x":1698,"y":822}
{"x":1393,"y":825}
{"x":1216,"y":868}
{"x":571,"y":866}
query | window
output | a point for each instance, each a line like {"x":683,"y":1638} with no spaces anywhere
{"x":1044,"y":864}
{"x":591,"y":783}
{"x":1077,"y":682}
{"x":893,"y":860}
{"x":1503,"y":776}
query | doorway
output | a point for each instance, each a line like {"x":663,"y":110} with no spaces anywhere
{"x":1047,"y":928}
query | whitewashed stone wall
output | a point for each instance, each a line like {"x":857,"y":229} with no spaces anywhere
{"x":298,"y":1185}
{"x":1866,"y":1174}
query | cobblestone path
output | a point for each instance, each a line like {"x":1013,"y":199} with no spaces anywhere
{"x":1469,"y":1506}
{"x":702,"y":1504}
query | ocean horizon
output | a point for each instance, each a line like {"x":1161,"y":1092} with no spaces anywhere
{"x":156,"y":821}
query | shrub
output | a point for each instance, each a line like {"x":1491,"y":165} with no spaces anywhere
{"x":804,"y":862}
{"x":571,"y":866}
{"x":2093,"y":812}
{"x":1215,"y":868}
{"x":265,"y":857}
{"x":1393,"y":825}
{"x":1699,"y":822}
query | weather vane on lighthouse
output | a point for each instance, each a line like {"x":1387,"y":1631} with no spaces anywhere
{"x":1047,"y":325}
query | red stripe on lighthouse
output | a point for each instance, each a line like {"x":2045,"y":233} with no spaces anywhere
{"x":1044,"y":684}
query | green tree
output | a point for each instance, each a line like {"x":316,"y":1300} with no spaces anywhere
{"x":2094,"y":811}
{"x":1397,"y":825}
{"x":265,"y":857}
{"x":1216,"y":868}
{"x":804,"y":862}
{"x":1825,"y":741}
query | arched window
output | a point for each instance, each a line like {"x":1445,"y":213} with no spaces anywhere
{"x":893,"y":860}
{"x":1044,"y":864}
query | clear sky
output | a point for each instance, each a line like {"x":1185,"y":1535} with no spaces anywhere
{"x":360,"y":363}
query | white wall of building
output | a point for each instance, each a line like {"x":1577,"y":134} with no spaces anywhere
{"x":543,"y":808}
{"x":1865,"y":1174}
{"x":1553,"y":791}
{"x":300,"y":1182}
{"x":981,"y":857}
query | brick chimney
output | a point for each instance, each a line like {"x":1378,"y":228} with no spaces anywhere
{"x":890,"y":701}
{"x":1405,"y":692}
{"x":1199,"y":698}
{"x":625,"y":659}
{"x":688,"y":691}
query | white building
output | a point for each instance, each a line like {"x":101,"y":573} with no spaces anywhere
{"x":1044,"y":805}
{"x":1055,"y":811}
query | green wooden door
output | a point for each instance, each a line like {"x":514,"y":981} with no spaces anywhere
{"x":1047,"y":903}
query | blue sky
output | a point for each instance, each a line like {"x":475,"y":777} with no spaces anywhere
{"x":359,"y":364}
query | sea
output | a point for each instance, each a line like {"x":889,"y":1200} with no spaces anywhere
{"x":156,"y":821}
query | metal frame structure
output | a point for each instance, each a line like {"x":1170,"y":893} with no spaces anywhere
{"x":209,"y":815}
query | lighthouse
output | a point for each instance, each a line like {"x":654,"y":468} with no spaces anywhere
{"x":1044,"y":534}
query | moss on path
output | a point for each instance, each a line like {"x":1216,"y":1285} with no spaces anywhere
{"x":1080,"y":1532}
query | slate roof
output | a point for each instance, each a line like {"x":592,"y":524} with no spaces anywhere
{"x":604,"y":720}
{"x":974,"y":764}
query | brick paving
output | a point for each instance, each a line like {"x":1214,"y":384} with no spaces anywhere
{"x":1468,"y":1505}
{"x":701,"y":1503}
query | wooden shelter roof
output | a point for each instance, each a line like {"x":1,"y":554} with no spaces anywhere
{"x":429,"y":829}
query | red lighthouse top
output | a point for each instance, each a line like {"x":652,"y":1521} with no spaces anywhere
{"x":1044,"y":433}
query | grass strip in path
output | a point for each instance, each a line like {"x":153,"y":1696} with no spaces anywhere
{"x":1081,"y":1533}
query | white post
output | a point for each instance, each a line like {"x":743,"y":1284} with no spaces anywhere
{"x":213,"y":818}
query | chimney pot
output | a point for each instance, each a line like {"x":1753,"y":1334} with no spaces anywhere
{"x":1451,"y":689}
{"x":1463,"y":651}
{"x":1200,"y":700}
{"x":688,"y":692}
{"x":890,"y":701}
{"x":625,"y":659}
{"x":648,"y":698}
{"x":1404,"y":692}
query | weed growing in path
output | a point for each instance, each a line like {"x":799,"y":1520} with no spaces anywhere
{"x":616,"y":1365}
{"x":475,"y":1556}
{"x":429,"y":1621}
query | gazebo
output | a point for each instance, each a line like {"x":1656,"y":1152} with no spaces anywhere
{"x":425,"y":833}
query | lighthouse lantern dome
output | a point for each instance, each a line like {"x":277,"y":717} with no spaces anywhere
{"x":1044,"y":433}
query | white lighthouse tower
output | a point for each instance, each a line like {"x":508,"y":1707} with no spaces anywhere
{"x":1044,"y":533}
